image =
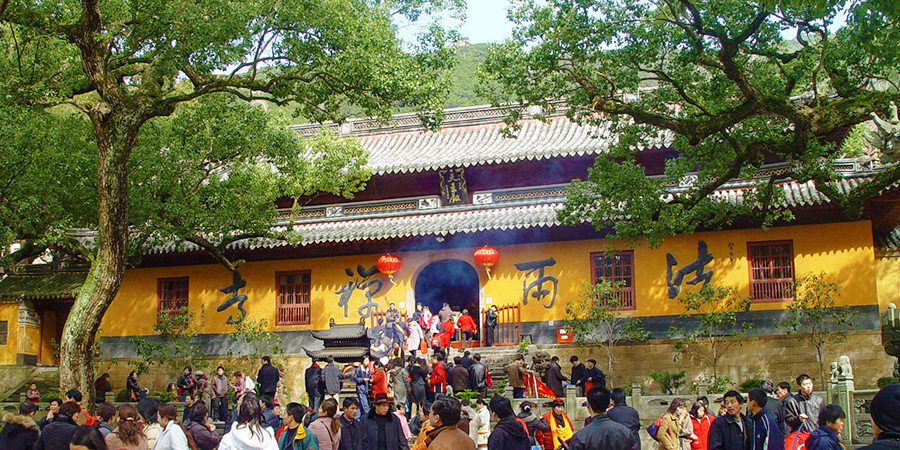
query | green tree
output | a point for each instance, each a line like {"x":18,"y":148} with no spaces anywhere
{"x":597,"y":317}
{"x":814,"y":317}
{"x":715,"y":309}
{"x":669,"y":382}
{"x":728,"y":84}
{"x":254,"y":342}
{"x":117,"y":70}
{"x":173,"y":345}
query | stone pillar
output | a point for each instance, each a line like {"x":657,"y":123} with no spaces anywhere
{"x":110,"y":397}
{"x":636,"y":396}
{"x":843,"y":395}
{"x":508,"y":391}
{"x":570,"y":399}
{"x":29,"y":334}
{"x":890,"y":335}
{"x":702,"y":388}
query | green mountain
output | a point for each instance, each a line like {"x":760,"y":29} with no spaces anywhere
{"x":462,"y":92}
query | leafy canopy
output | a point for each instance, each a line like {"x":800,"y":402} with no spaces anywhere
{"x":159,"y":148}
{"x":167,"y":84}
{"x":730,"y":85}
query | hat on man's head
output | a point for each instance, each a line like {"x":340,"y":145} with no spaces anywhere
{"x":885,"y":408}
{"x":380,"y":398}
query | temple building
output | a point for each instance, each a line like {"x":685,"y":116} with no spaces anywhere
{"x":437,"y":198}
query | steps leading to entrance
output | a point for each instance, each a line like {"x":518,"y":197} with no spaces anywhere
{"x":17,"y":379}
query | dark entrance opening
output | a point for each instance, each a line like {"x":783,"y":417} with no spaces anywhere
{"x":451,"y":281}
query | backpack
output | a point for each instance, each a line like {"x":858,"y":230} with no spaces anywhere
{"x":487,"y":377}
{"x":653,"y":428}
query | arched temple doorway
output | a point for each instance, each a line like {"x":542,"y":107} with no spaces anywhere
{"x":450,"y":281}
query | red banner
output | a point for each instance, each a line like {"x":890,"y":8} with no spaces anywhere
{"x":537,"y":385}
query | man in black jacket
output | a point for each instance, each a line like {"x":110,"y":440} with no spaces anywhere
{"x":578,"y":372}
{"x":554,"y":378}
{"x":729,"y":432}
{"x":331,"y":379}
{"x":58,"y":433}
{"x":20,"y":432}
{"x":351,"y":428}
{"x":774,"y":406}
{"x":625,"y":415}
{"x":592,"y":377}
{"x":185,"y":383}
{"x":509,"y":434}
{"x":477,"y":371}
{"x":466,"y":360}
{"x":490,"y":322}
{"x":803,"y":407}
{"x":313,"y":378}
{"x":602,"y":432}
{"x":381,"y":430}
{"x":267,"y":377}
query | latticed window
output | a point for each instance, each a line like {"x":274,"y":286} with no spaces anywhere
{"x":292,"y":302}
{"x":172,"y":293}
{"x":618,"y":267}
{"x":771,"y":270}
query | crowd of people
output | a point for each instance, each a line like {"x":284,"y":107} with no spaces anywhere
{"x":424,"y":333}
{"x":407,"y":404}
{"x":769,"y":418}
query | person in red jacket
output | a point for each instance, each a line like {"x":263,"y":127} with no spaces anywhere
{"x":437,"y":379}
{"x":467,"y":330}
{"x":379,"y":380}
{"x":447,"y":331}
{"x":561,"y":429}
{"x":701,"y":421}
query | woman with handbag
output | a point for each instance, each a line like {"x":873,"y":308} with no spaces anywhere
{"x":670,"y":425}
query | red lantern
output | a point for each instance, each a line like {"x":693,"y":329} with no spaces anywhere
{"x":388,"y":264}
{"x":486,"y":257}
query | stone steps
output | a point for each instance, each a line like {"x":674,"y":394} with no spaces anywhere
{"x":46,"y":378}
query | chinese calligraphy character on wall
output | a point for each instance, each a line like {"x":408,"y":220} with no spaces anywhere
{"x":237,"y":283}
{"x":365,"y":283}
{"x":674,"y":280}
{"x":536,"y":288}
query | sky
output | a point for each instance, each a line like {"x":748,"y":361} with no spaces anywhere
{"x":485,"y":22}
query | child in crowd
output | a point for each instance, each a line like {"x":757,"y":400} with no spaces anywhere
{"x":33,"y":395}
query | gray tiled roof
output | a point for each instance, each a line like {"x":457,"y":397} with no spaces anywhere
{"x":337,"y":353}
{"x":888,"y":240}
{"x":465,"y":146}
{"x":473,"y":218}
{"x":341,"y":331}
{"x":49,"y":286}
{"x":438,"y":224}
{"x":795,"y":193}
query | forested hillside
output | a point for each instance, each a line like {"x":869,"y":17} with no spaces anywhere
{"x":462,"y":92}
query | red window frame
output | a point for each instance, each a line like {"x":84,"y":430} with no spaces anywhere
{"x":172,"y":293}
{"x":771,"y":266}
{"x":618,"y":267}
{"x":292,"y":295}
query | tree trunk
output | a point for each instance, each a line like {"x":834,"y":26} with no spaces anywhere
{"x":76,"y":370}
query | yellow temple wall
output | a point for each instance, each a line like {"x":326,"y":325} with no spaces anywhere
{"x":843,"y":251}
